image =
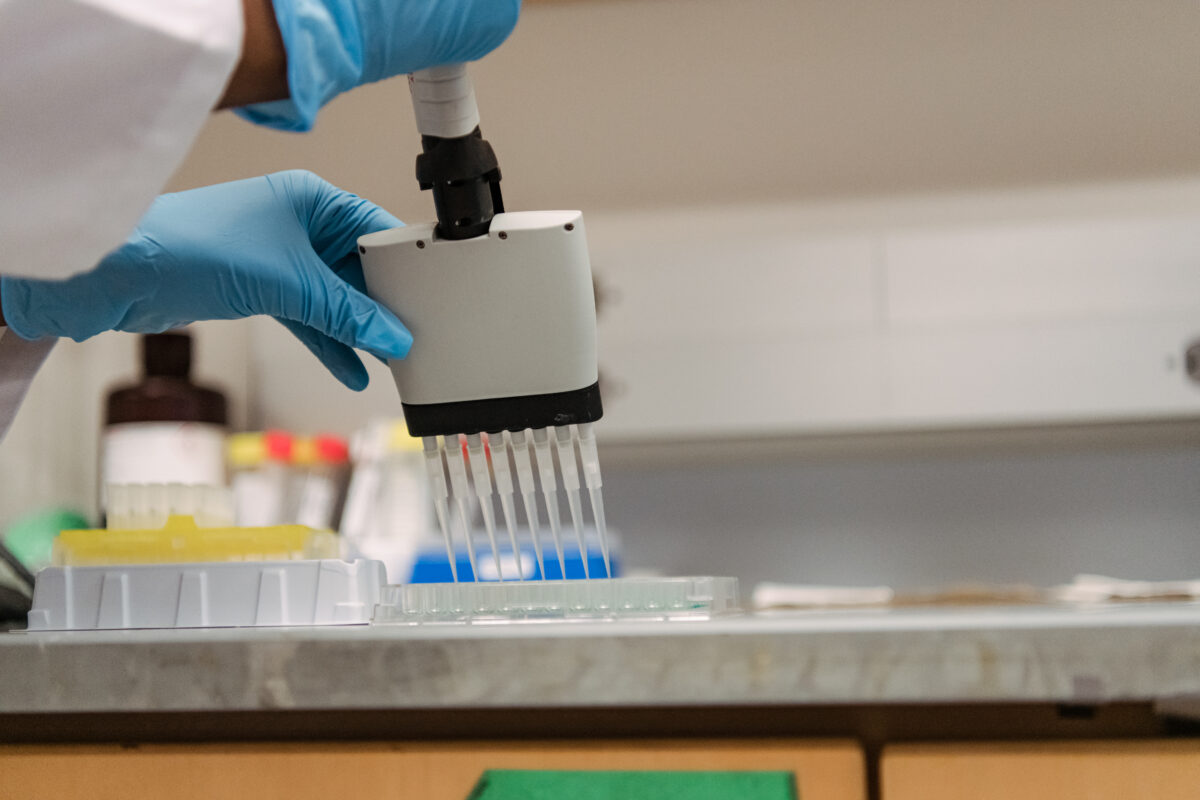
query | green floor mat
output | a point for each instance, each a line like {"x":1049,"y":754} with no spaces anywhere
{"x":588,"y":785}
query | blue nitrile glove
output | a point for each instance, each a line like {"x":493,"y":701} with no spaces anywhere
{"x":334,"y":45}
{"x":282,"y":245}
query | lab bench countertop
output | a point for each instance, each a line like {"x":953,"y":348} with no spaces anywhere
{"x":1079,"y":655}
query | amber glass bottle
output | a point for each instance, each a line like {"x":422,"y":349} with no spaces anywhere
{"x":165,"y":428}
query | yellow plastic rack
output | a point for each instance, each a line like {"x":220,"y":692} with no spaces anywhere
{"x":181,"y":540}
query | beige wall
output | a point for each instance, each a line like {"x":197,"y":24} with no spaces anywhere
{"x":611,"y":105}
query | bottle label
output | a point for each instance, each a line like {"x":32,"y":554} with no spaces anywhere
{"x":163,"y":452}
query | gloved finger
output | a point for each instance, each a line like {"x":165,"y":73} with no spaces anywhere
{"x":325,"y":302}
{"x":425,"y":34}
{"x":349,"y":268}
{"x":334,"y":217}
{"x":339,"y":359}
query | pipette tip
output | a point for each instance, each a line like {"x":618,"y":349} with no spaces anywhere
{"x":472,"y":473}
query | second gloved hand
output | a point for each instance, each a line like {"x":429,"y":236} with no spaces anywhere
{"x":283,"y":245}
{"x":335,"y":45}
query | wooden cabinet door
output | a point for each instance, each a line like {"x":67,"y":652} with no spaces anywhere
{"x":1100,"y":770}
{"x":825,"y":770}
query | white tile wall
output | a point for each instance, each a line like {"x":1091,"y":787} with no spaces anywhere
{"x":1058,"y":271}
{"x":984,"y":310}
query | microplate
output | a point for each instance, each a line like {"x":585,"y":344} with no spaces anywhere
{"x":688,"y":598}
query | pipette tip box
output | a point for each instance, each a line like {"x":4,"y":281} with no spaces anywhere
{"x":616,"y":599}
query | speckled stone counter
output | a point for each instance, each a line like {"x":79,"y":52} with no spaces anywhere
{"x":1137,"y":652}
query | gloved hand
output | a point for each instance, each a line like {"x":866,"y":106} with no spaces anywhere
{"x":282,"y":245}
{"x":334,"y":45}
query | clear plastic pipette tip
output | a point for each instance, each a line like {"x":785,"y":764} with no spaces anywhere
{"x":545,"y":464}
{"x":473,"y":469}
{"x":591,"y":476}
{"x":498,"y":444}
{"x":524,"y":461}
{"x":458,"y":481}
{"x":483,"y":490}
{"x":601,"y":527}
{"x":437,"y":488}
{"x":570,"y":479}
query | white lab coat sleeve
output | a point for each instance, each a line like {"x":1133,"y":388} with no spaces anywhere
{"x":100,"y":101}
{"x":19,"y":362}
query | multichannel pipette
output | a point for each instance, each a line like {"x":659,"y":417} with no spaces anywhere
{"x":504,"y":321}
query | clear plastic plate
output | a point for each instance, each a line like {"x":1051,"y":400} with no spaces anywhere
{"x":532,"y":601}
